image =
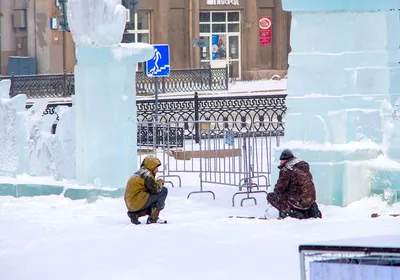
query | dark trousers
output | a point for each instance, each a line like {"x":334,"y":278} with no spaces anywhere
{"x":154,"y":201}
{"x":279,"y":201}
{"x":282,"y":203}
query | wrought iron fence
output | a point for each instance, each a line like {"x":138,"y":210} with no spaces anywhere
{"x":242,"y":113}
{"x":62,"y":85}
{"x":205,"y":79}
{"x":246,"y":112}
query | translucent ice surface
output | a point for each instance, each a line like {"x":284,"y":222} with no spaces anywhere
{"x":342,"y":90}
{"x":12,"y":133}
{"x":96,"y":22}
{"x":105,"y":90}
{"x":65,"y":154}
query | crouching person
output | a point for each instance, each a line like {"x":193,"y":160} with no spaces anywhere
{"x":294,"y":194}
{"x":144,"y":195}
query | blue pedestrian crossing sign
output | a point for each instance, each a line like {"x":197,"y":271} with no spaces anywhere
{"x":159,"y":65}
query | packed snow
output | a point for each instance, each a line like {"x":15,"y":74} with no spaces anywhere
{"x":57,"y":238}
{"x":258,"y":87}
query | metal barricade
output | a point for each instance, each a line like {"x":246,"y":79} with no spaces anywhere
{"x":238,"y":158}
{"x":154,"y":138}
{"x":223,"y":152}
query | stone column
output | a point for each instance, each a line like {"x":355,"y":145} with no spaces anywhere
{"x":43,"y":36}
{"x":251,"y":35}
{"x":161,"y":22}
{"x":49,"y":43}
{"x":70,"y":58}
{"x":280,"y":36}
{"x":8,"y":38}
{"x":31,"y":19}
{"x":195,"y":32}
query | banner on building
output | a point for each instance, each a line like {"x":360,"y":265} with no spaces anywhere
{"x":223,"y":2}
{"x":265,"y":24}
{"x":218,"y":46}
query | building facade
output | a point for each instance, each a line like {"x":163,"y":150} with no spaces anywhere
{"x":25,"y":31}
{"x":201,"y":33}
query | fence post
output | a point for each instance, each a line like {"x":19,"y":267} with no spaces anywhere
{"x":163,"y":85}
{"x":226,"y":77}
{"x":12,"y":85}
{"x":210,"y":76}
{"x":65,"y":83}
{"x":196,"y":117}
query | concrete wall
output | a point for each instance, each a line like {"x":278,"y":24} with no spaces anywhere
{"x":175,"y":22}
{"x":8,"y":36}
{"x":49,"y":43}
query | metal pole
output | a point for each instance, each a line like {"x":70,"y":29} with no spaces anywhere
{"x":156,"y":99}
{"x":303,"y":275}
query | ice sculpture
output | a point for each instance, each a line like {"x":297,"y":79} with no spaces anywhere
{"x":344,"y":73}
{"x":13,"y":142}
{"x":64,"y":144}
{"x":106,"y":148}
{"x":27,"y":145}
{"x":39,"y":128}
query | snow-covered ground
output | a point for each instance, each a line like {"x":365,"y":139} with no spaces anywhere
{"x":240,"y":87}
{"x":52,"y":237}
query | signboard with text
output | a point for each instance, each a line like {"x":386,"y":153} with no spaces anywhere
{"x":223,"y":2}
{"x":265,"y":25}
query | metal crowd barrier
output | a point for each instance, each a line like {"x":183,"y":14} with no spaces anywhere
{"x":224,"y":153}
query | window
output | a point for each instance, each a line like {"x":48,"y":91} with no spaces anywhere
{"x":137,"y":29}
{"x":219,"y":22}
{"x":221,"y":32}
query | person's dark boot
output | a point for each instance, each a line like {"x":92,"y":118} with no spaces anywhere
{"x":134,"y":218}
{"x":314,"y":211}
{"x":283,"y":215}
{"x":153,"y":218}
{"x":297,"y":214}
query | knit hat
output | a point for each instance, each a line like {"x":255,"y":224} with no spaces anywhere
{"x":286,"y":154}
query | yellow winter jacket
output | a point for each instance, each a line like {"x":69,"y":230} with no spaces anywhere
{"x":141,"y":184}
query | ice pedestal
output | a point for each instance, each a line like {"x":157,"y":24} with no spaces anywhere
{"x":105,"y":89}
{"x":343,"y":67}
{"x":106,"y":132}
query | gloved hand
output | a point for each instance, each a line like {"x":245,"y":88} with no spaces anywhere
{"x":160,"y":182}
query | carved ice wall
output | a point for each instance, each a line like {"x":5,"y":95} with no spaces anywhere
{"x":26,"y":143}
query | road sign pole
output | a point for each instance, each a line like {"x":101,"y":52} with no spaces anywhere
{"x":156,"y":99}
{"x":158,"y":66}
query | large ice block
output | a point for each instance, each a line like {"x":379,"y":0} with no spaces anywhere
{"x":344,"y":65}
{"x":106,"y":113}
{"x":105,"y":89}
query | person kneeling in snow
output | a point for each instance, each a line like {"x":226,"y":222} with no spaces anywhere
{"x":144,"y":195}
{"x":294,"y":194}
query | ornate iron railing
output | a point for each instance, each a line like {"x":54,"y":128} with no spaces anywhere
{"x":42,"y":86}
{"x":207,"y":79}
{"x":62,"y":85}
{"x":244,"y":113}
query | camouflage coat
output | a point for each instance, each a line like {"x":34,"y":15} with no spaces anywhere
{"x":295,"y":187}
